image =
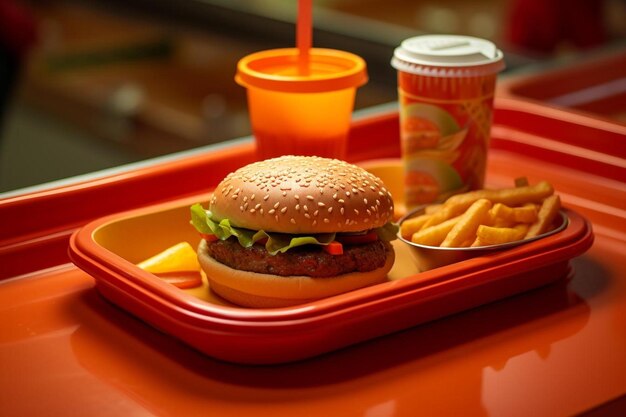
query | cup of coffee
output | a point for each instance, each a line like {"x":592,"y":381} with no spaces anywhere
{"x":446,"y":85}
{"x":301,"y":107}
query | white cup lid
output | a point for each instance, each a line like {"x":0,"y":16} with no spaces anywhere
{"x":447,"y":51}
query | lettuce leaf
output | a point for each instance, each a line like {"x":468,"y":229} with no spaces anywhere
{"x":202,"y":220}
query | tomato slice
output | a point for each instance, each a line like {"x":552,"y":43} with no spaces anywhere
{"x":182,"y":279}
{"x":358,"y":239}
{"x":334,"y":248}
{"x":208,"y":237}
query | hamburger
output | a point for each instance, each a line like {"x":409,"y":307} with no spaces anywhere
{"x":294,"y":229}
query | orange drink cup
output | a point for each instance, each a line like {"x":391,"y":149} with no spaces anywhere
{"x":446,"y":85}
{"x":298,"y":109}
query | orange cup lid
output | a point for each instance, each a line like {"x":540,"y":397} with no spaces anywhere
{"x":279,"y":70}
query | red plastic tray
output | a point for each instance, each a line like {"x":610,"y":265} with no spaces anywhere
{"x":592,"y":89}
{"x":109,"y":248}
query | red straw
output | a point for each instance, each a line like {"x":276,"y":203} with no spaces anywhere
{"x":304,"y":31}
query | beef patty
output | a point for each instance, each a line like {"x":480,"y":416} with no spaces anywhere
{"x":308,"y":260}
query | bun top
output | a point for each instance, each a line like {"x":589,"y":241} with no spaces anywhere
{"x":302,"y":194}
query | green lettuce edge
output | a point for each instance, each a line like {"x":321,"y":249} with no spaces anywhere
{"x":202,"y":220}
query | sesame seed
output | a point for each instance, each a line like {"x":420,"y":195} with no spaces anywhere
{"x":341,"y":210}
{"x":335,"y":196}
{"x":241,"y":208}
{"x":234,"y":196}
{"x":356,"y":212}
{"x":307,"y":215}
{"x":320,"y":204}
{"x":293,"y":221}
{"x":326,"y":220}
{"x":348,"y":193}
{"x":315,"y":213}
{"x":341,"y":200}
{"x":265,"y":197}
{"x":306,"y":208}
{"x":276,"y":217}
{"x":354,"y":190}
{"x":309,"y":197}
{"x":330,"y":209}
{"x":314,"y":222}
{"x":252,"y":210}
{"x":261,"y":210}
{"x":365,"y":201}
{"x":297,"y":207}
{"x":369,"y":213}
{"x":258,"y":206}
{"x":252,"y":196}
{"x":276,"y":205}
{"x":283,"y":210}
{"x":297,"y":197}
{"x":272,"y":211}
{"x":245,"y":198}
{"x":366,"y":220}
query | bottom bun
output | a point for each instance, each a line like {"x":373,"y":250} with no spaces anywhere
{"x":252,"y":289}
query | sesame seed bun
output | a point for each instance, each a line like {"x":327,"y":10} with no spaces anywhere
{"x":251,"y":289}
{"x":302,"y":194}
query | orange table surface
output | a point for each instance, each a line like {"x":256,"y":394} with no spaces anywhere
{"x":558,"y":350}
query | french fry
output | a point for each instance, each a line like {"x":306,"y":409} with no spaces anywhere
{"x":488,"y":235}
{"x":447,"y":211}
{"x":432,"y":208}
{"x":413,"y":225}
{"x":524,"y":214}
{"x":499,"y":222}
{"x":547,"y":213}
{"x":434,"y":235}
{"x":509,"y":196}
{"x":466,"y":227}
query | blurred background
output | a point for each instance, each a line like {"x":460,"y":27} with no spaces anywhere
{"x":89,"y":85}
